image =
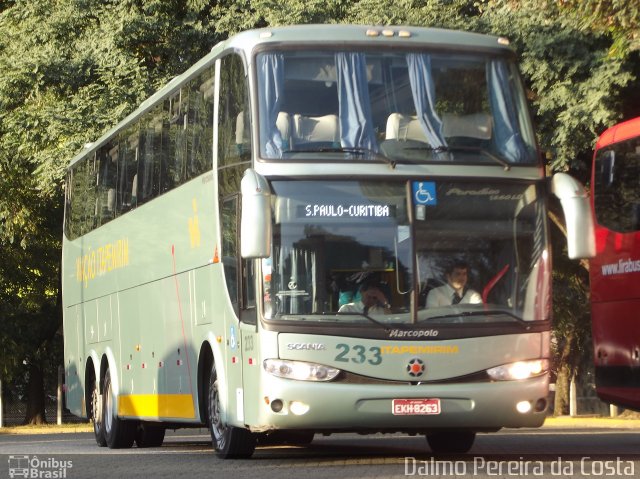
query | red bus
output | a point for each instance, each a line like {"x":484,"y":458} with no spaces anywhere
{"x":615,"y":271}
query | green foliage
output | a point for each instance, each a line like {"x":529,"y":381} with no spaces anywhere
{"x":70,"y":70}
{"x":620,"y":19}
{"x":576,"y":85}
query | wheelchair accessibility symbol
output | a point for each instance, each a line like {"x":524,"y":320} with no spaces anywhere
{"x":424,"y":193}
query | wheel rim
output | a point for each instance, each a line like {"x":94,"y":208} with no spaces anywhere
{"x":95,"y":411}
{"x":218,"y":429}
{"x":108,"y":410}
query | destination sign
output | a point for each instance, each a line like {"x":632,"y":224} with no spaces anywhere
{"x":324,"y":210}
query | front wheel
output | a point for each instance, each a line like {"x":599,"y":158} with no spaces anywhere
{"x":119,"y":434}
{"x":451,"y":442}
{"x":229,"y":442}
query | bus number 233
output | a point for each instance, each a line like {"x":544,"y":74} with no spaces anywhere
{"x":358,"y":354}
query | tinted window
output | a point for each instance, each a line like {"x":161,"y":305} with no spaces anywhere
{"x":166,"y":147}
{"x":617,"y":195}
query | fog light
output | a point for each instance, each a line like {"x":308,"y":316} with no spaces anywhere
{"x":298,"y":408}
{"x":276,"y":405}
{"x":523,"y":407}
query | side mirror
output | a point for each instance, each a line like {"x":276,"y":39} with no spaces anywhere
{"x":255,"y":224}
{"x":577,"y":213}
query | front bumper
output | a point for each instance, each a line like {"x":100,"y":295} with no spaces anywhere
{"x":368,"y":408}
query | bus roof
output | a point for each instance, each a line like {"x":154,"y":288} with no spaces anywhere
{"x":368,"y":34}
{"x":362,"y":35}
{"x":620,"y":132}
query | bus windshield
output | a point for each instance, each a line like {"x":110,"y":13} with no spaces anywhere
{"x":335,"y":239}
{"x":403,"y":107}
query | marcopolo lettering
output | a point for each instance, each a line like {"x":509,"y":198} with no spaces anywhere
{"x":421,"y":333}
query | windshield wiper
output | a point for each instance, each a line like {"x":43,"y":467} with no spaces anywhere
{"x":482,"y":312}
{"x":359,"y":152}
{"x":474,"y":149}
{"x":364,"y":315}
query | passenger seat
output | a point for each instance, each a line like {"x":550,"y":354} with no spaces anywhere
{"x":404,"y":127}
{"x":476,"y":125}
{"x":316,"y":129}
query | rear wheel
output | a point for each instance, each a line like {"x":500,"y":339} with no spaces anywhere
{"x":229,"y":442}
{"x":451,"y":442}
{"x":96,"y":416}
{"x":149,"y":435}
{"x":119,"y":433}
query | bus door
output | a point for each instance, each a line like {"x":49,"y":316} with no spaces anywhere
{"x":233,"y":158}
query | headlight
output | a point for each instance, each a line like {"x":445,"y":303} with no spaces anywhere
{"x":299,"y":370}
{"x":519,"y":370}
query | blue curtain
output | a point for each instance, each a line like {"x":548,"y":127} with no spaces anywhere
{"x":271,"y":78}
{"x":424,"y":97}
{"x":505,"y":118}
{"x":356,"y":128}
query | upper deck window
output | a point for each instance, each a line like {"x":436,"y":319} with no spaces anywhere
{"x":407,"y":106}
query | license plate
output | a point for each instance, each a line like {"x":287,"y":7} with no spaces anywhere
{"x":415,"y":407}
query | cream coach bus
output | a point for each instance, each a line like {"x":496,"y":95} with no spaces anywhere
{"x":258,"y":246}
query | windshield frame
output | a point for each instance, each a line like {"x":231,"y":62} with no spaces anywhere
{"x":369,"y":156}
{"x":414,"y":318}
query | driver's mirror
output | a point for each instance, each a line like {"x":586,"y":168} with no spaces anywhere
{"x":255,"y":225}
{"x":577,"y":213}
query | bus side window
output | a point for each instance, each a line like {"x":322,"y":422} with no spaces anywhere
{"x":78,"y":184}
{"x":233,"y":158}
{"x":616,"y":193}
{"x":178,"y":105}
{"x":200,"y":124}
{"x":229,"y":226}
{"x":234,"y":146}
{"x":148,"y":174}
{"x":107,"y":177}
{"x":127,"y":169}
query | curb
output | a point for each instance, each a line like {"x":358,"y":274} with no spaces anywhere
{"x":53,"y":429}
{"x":591,"y":422}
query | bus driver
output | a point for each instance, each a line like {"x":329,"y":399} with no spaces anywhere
{"x":455,"y":291}
{"x":373,"y":301}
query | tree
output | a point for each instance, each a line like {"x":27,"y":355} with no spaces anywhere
{"x":620,"y":19}
{"x":70,"y":70}
{"x":578,"y":88}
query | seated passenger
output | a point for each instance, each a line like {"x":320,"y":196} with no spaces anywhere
{"x":455,"y":291}
{"x":373,"y":301}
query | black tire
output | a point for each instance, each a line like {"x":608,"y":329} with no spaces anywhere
{"x":119,"y":433}
{"x":451,"y":442}
{"x":229,"y":442}
{"x":149,"y":435}
{"x":96,"y":416}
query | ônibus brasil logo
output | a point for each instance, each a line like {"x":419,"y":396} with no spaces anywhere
{"x":33,"y":467}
